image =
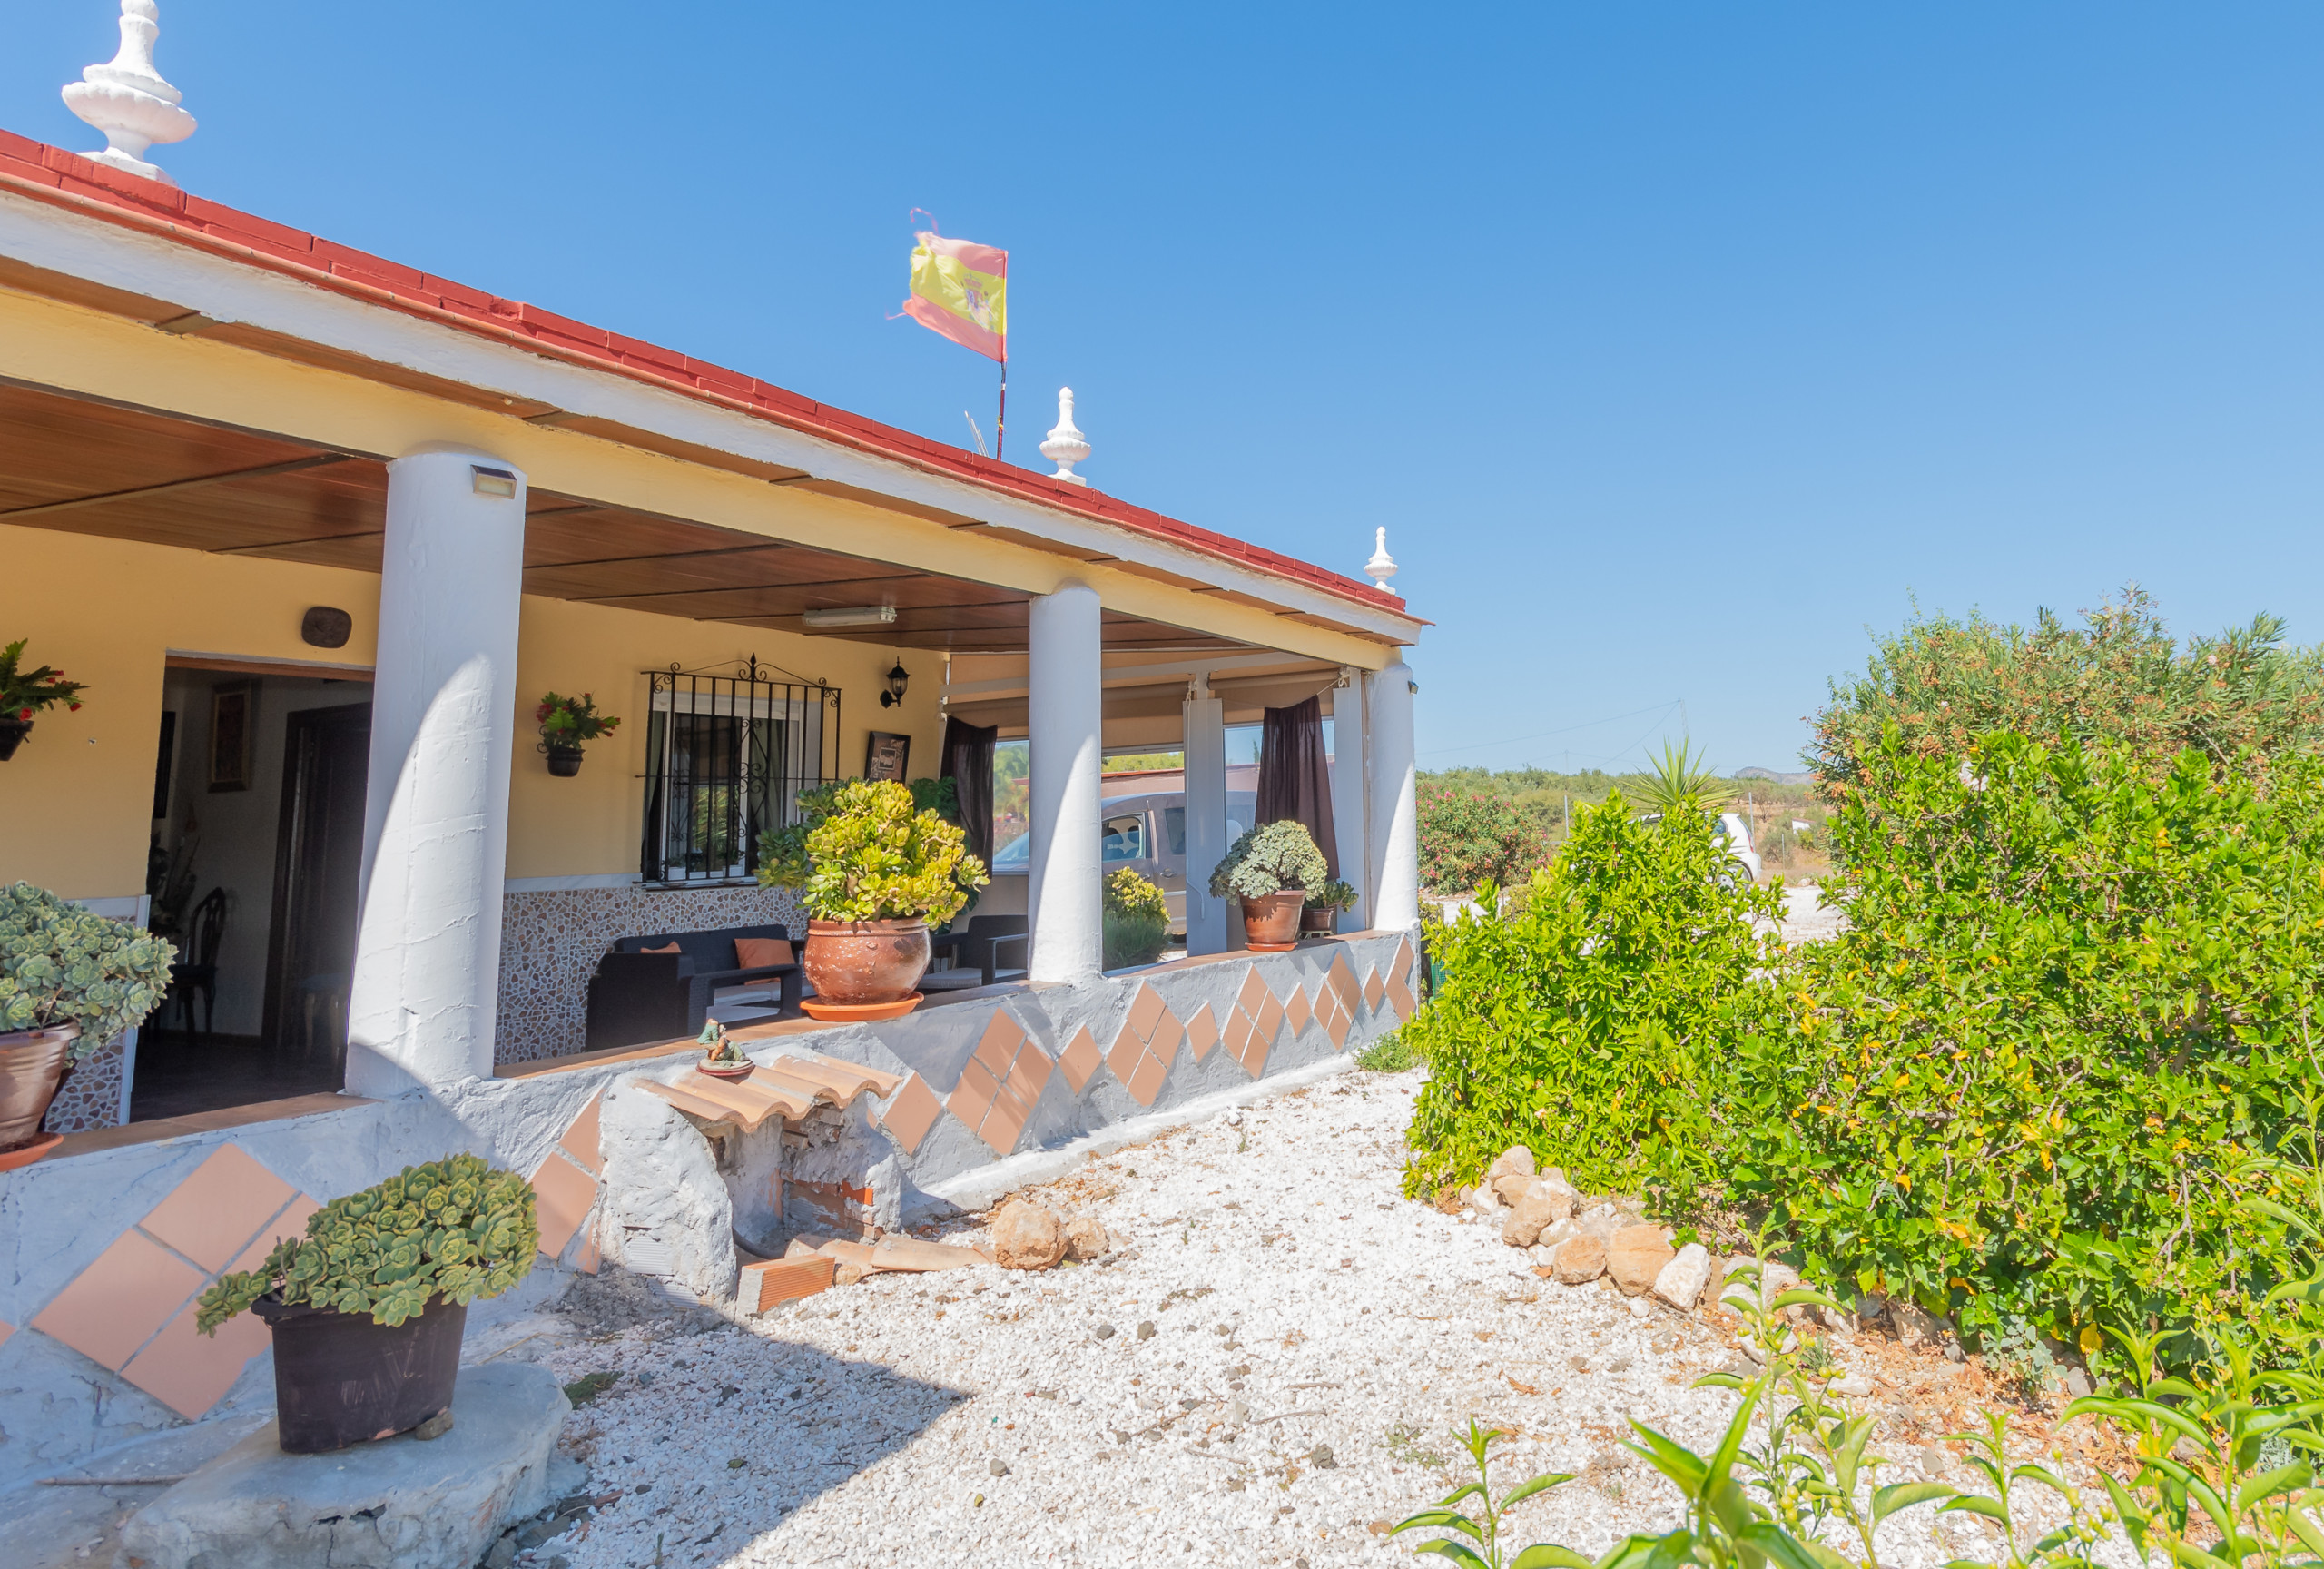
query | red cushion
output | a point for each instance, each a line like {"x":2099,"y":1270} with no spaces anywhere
{"x":758,"y":952}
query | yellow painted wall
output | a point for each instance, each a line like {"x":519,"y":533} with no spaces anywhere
{"x":75,"y":802}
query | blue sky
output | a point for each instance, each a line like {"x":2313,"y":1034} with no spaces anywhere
{"x":1675,"y":346}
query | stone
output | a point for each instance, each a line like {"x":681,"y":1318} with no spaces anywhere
{"x":1482,"y":1199}
{"x":395,"y":1504}
{"x":1775,"y":1279}
{"x":1511,"y":1187}
{"x":1681,"y":1282}
{"x":1635,"y":1255}
{"x":1580,"y":1260}
{"x":1238,"y":1413}
{"x":2076,"y":1382}
{"x":1514,"y":1161}
{"x":1085,"y":1238}
{"x":503,"y":1553}
{"x":1027,"y":1237}
{"x":1854,"y":1385}
{"x":1146,"y":1329}
{"x":1541,"y":1205}
{"x":435,"y":1427}
{"x":1639,"y":1309}
{"x":1104,"y":1331}
{"x":1321,"y":1454}
{"x":1916,"y":1330}
{"x":848,"y":1274}
{"x":997,"y":1467}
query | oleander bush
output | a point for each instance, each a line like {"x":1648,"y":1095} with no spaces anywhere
{"x":1469,"y":837}
{"x":1587,"y":1014}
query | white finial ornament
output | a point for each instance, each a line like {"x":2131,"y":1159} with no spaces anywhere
{"x":1066,"y":445}
{"x":1382,"y":567}
{"x":128,"y":100}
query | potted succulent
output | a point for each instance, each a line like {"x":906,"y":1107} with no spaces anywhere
{"x":367,"y":1308}
{"x":25,"y":692}
{"x":1136,"y":921}
{"x":565,"y":723}
{"x":70,"y":981}
{"x":1322,"y":911}
{"x":873,"y":874}
{"x":1270,"y":870}
{"x":721,"y":1058}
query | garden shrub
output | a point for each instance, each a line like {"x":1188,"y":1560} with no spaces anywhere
{"x":2063,"y":1043}
{"x":1136,"y":919}
{"x":1585,"y":1018}
{"x":1468,"y":839}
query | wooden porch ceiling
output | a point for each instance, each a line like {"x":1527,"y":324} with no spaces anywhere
{"x":89,"y":468}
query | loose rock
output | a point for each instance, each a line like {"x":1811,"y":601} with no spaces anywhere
{"x":1514,"y":1161}
{"x":1026,"y":1236}
{"x":998,"y":1468}
{"x":1916,"y":1330}
{"x":1635,"y":1256}
{"x":1146,"y":1329}
{"x":1542,"y":1204}
{"x":1681,"y":1281}
{"x":1085,"y":1239}
{"x":1580,"y":1260}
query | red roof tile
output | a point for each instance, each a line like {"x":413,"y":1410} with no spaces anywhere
{"x":53,"y":174}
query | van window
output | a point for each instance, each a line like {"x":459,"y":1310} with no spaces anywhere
{"x":1174,"y":829}
{"x":1124,"y":838}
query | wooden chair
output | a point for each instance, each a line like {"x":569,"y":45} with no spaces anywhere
{"x":198,"y":970}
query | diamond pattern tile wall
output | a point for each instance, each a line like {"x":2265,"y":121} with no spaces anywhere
{"x":580,"y":1140}
{"x":1201,"y":1032}
{"x":911,"y":1113}
{"x":1080,"y":1060}
{"x":1296,"y":1011}
{"x":1372,"y":988}
{"x":1400,"y":981}
{"x":1333,"y":1013}
{"x":1252,"y":1024}
{"x":113,"y":1306}
{"x":214,"y":1212}
{"x":563,"y":1196}
{"x":1001,"y":1082}
{"x":1150,"y":1039}
{"x":1340,"y":980}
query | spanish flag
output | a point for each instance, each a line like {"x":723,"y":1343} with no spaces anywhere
{"x":960,"y":289}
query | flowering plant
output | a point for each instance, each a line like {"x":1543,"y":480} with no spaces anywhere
{"x":569,"y":721}
{"x":25,"y":692}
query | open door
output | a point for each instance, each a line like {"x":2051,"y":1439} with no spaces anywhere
{"x":318,"y":865}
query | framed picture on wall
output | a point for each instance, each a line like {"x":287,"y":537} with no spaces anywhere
{"x":233,"y":720}
{"x":885,"y":755}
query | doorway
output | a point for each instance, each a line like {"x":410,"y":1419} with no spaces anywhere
{"x":257,"y":854}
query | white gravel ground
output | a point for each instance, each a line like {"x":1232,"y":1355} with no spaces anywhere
{"x":1282,"y":1270}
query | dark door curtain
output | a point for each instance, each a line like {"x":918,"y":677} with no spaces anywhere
{"x":318,"y":866}
{"x":1294,"y":777}
{"x":967,"y":763}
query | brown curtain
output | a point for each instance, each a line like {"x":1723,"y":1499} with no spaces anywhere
{"x":1295,"y":781}
{"x":967,"y":763}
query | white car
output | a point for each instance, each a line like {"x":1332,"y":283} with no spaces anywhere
{"x":1147,"y":834}
{"x":1735,"y":836}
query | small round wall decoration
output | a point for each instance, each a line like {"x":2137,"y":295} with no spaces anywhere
{"x":326,"y":628}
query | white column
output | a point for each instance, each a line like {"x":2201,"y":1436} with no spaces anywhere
{"x":1393,"y":808}
{"x":1208,"y":924}
{"x":1066,"y":894}
{"x":436,"y":821}
{"x":1348,"y":815}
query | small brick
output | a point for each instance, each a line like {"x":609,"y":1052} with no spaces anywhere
{"x":652,"y":355}
{"x":780,"y":1280}
{"x":349,"y":263}
{"x":229,"y":224}
{"x":549,"y":323}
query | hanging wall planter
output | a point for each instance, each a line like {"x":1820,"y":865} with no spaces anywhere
{"x":25,"y":693}
{"x":13,"y":731}
{"x":565,"y":723}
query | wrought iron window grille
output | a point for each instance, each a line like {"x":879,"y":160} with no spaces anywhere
{"x":727,"y":751}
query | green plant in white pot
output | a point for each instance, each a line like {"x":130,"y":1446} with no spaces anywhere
{"x":1270,"y":869}
{"x":70,"y":981}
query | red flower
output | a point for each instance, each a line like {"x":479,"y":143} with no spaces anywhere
{"x":72,"y":708}
{"x":25,"y":714}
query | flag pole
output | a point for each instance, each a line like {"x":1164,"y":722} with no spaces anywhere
{"x":1001,"y":420}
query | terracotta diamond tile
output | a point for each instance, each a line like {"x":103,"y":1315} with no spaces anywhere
{"x":564,"y":1193}
{"x":1296,"y":1010}
{"x":1168,"y":1033}
{"x":1146,"y":1010}
{"x":220,"y":1206}
{"x":190,"y":1372}
{"x":1030,"y":1074}
{"x":911,"y":1113}
{"x":1400,"y":998}
{"x":7,"y":1329}
{"x":112,"y":1307}
{"x":291,"y":1222}
{"x":1399,"y":968}
{"x":1124,"y":1058}
{"x":1237,"y":1038}
{"x":1253,"y":994}
{"x":1254,"y":1055}
{"x":1268,"y":1019}
{"x":590,"y":1257}
{"x":1147,"y":1082}
{"x":1340,"y":978}
{"x":1002,"y":1037}
{"x":1373,"y":990}
{"x":972,"y":1097}
{"x":580,"y":1140}
{"x":1081,"y":1059}
{"x":1336,"y":1022}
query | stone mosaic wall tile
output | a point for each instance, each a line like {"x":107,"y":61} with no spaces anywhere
{"x":914,"y":1112}
{"x":1080,"y":1060}
{"x":89,"y":1097}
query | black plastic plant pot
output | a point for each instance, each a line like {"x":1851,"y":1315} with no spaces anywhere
{"x":340,"y":1380}
{"x":564,"y":762}
{"x":13,"y":732}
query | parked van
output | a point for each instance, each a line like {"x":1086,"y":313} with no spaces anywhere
{"x":1147,"y":834}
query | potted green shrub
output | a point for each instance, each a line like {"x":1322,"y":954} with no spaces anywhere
{"x":1322,"y":911}
{"x":1270,"y":870}
{"x":873,"y":874}
{"x":25,"y":692}
{"x":1136,"y":921}
{"x":70,"y":981}
{"x":565,"y":723}
{"x":369,"y":1306}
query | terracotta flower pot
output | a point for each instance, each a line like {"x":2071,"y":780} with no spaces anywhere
{"x":1272,"y":923}
{"x":858,"y":961}
{"x":1314,"y":918}
{"x":32,"y":1065}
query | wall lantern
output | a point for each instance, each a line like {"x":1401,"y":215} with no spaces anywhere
{"x":898,"y":678}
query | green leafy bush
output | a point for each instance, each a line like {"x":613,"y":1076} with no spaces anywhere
{"x":1587,"y":1020}
{"x":1469,"y":838}
{"x":869,"y":855}
{"x":569,"y":721}
{"x":1268,"y":859}
{"x":2063,"y":1060}
{"x":457,"y":1228}
{"x":60,"y":964}
{"x":1136,"y":919}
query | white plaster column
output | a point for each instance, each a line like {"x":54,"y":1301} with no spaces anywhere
{"x":443,"y":729}
{"x":1065,"y":895}
{"x":1348,"y":814}
{"x":1207,"y":926}
{"x":1394,"y":809}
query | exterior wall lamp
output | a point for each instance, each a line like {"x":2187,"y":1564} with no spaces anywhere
{"x":898,"y":679}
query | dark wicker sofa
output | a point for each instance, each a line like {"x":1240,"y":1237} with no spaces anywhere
{"x":636,"y":997}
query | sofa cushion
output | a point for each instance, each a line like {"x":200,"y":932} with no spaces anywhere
{"x":757,"y":952}
{"x":665,"y":948}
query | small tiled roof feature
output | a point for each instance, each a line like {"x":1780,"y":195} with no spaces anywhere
{"x":785,"y":1087}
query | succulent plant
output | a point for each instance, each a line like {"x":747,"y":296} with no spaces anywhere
{"x":458,"y":1228}
{"x":60,"y":964}
{"x":1268,"y":859}
{"x":871,"y":855}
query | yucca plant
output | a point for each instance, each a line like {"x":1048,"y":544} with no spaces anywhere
{"x":1679,"y":773}
{"x":458,"y":1228}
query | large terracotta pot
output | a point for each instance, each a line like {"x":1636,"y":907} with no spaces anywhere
{"x":1273,"y":922}
{"x":859,"y":962}
{"x":32,"y":1065}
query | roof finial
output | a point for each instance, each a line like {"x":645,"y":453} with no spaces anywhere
{"x":127,"y":99}
{"x":1066,"y":445}
{"x":1382,"y":567}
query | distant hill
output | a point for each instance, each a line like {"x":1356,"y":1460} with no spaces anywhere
{"x":1771,"y":774}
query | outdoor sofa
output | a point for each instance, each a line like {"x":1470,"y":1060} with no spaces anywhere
{"x":637,"y":996}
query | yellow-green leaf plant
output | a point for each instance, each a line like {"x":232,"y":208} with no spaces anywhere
{"x":60,"y":964}
{"x":872,"y":857}
{"x":456,"y":1230}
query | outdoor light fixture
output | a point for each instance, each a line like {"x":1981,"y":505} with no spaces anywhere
{"x":896,"y":680}
{"x":857,"y":616}
{"x":497,"y":482}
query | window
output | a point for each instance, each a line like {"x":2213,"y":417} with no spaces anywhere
{"x":1124,"y":839}
{"x":726,"y":759}
{"x":1174,"y":829}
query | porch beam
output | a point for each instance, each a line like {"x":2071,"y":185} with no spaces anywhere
{"x":171,"y":487}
